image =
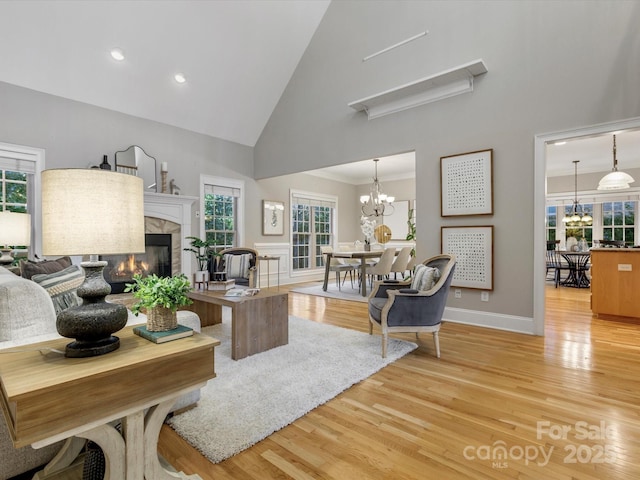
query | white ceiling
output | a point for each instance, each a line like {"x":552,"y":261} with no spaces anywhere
{"x":238,"y":57}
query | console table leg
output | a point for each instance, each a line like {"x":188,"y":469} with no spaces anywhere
{"x":113,"y":447}
{"x":152,"y":425}
{"x":133,"y":431}
{"x":65,"y":457}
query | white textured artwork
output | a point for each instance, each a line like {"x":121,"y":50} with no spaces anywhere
{"x":473,"y":248}
{"x":466,"y":184}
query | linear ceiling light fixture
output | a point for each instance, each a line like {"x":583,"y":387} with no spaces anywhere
{"x":615,"y":180}
{"x":399,"y":44}
{"x":577,"y":217}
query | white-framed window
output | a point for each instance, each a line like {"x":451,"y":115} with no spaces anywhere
{"x":613,"y":218}
{"x":222,"y":207}
{"x":20,"y":184}
{"x":618,"y":221}
{"x":313,"y":225}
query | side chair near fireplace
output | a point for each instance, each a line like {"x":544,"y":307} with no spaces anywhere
{"x":415,"y":306}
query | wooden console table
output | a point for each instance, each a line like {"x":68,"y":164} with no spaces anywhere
{"x":258,"y":322}
{"x":48,"y":397}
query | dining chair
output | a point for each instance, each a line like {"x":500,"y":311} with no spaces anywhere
{"x":383,"y":267}
{"x":401,"y":262}
{"x":339,"y":266}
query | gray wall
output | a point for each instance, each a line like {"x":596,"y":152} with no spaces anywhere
{"x":552,"y":66}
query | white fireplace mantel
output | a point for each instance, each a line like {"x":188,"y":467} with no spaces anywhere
{"x":177,"y":209}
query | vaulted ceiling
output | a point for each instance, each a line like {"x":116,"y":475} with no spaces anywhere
{"x":237,"y":56}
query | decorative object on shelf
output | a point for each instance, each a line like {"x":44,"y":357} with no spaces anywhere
{"x":376,"y":203}
{"x":420,"y":92}
{"x":577,"y":217}
{"x":466,"y":184}
{"x":160,"y":297}
{"x":368,"y":228}
{"x":163,"y":174}
{"x":615,"y":180}
{"x":222,"y":284}
{"x":80,"y":216}
{"x":272,"y":217}
{"x":15,"y":231}
{"x":135,"y":161}
{"x":473,"y":249}
{"x":105,"y":163}
{"x":174,"y":189}
{"x":204,"y":251}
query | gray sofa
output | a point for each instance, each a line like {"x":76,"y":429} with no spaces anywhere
{"x":27,"y":315}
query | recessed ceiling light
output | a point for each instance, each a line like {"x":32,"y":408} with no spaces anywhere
{"x":180,"y":78}
{"x":117,"y":54}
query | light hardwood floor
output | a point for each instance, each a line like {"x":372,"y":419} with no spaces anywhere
{"x":423,"y":417}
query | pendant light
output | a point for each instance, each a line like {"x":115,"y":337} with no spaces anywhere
{"x":577,"y":217}
{"x":615,"y":180}
{"x":376,"y":203}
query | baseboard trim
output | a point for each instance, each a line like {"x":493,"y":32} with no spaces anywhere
{"x":499,"y":321}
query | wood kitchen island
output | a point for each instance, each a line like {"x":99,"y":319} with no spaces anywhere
{"x":615,"y":282}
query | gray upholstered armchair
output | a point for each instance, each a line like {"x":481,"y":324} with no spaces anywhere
{"x":413,"y":306}
{"x":239,"y":263}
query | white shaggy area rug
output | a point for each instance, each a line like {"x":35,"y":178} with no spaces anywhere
{"x":253,"y":397}
{"x":346,"y":292}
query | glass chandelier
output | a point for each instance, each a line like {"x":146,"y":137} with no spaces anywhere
{"x":615,"y":180}
{"x":577,"y":217}
{"x":376,"y":203}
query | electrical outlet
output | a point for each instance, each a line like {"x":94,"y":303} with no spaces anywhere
{"x":458,"y":293}
{"x":484,"y":296}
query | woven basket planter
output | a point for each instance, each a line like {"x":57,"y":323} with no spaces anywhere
{"x":161,"y":319}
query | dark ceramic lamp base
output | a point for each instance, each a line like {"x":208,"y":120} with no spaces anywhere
{"x":92,"y":323}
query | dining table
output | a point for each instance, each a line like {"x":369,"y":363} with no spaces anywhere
{"x":578,"y":266}
{"x":363,"y":255}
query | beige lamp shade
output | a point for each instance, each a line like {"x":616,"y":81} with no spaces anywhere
{"x":15,"y":229}
{"x":91,"y":212}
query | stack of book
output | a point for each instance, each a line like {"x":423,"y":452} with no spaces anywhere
{"x":161,"y":337}
{"x":222,"y":284}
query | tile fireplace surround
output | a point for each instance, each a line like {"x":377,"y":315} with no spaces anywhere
{"x":171,"y":214}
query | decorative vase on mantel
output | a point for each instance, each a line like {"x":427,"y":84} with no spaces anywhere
{"x":161,"y":319}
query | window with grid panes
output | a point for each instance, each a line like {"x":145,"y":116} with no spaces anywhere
{"x":312,"y":226}
{"x":552,"y":222}
{"x":13,"y":191}
{"x":618,"y":221}
{"x":221,"y":215}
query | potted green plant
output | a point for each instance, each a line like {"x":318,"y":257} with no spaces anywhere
{"x":203,"y":250}
{"x":160,"y":298}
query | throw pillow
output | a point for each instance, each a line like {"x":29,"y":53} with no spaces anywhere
{"x":28,"y":268}
{"x":237,"y":266}
{"x":424,"y":278}
{"x":62,"y":286}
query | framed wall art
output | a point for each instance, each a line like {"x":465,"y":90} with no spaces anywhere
{"x":473,"y":248}
{"x":466,"y":184}
{"x":272,"y":217}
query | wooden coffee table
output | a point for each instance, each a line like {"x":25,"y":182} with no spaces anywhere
{"x":258,"y":323}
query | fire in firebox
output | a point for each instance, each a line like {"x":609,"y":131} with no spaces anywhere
{"x":128,"y":268}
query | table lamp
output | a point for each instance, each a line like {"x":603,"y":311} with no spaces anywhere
{"x":92,"y":212}
{"x":15,"y":230}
